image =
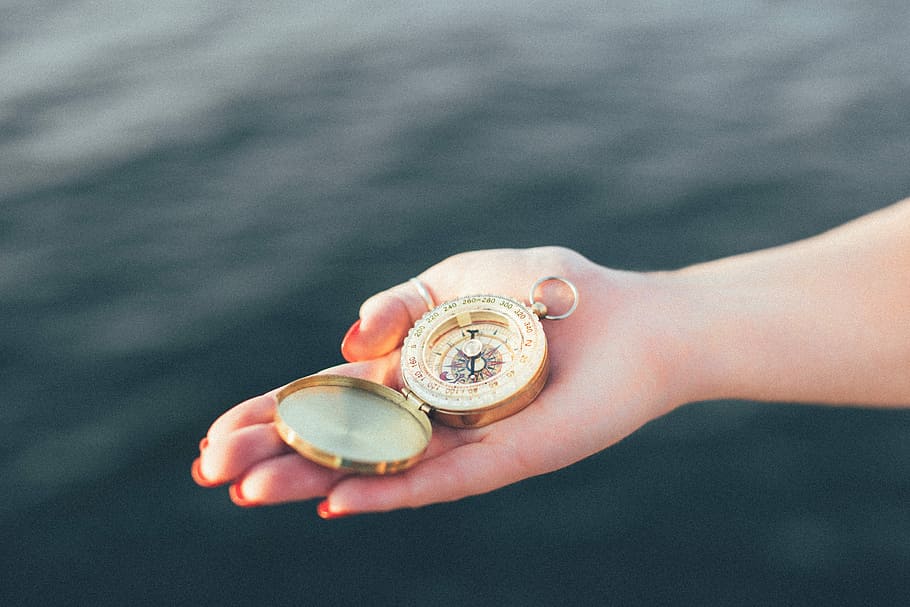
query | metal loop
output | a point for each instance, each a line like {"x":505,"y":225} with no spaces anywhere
{"x":564,"y":281}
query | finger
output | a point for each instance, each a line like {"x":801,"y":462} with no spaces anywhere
{"x":261,"y":409}
{"x":467,"y":470}
{"x":282,"y":479}
{"x":383,"y":370}
{"x":246,"y":434}
{"x":256,"y":410}
{"x":291,"y":477}
{"x":227,"y":458}
{"x":385,"y":319}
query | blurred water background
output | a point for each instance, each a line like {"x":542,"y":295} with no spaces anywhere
{"x":196,"y":197}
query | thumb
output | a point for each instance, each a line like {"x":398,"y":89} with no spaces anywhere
{"x":385,"y":319}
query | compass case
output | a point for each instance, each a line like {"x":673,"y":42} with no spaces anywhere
{"x":353,"y":424}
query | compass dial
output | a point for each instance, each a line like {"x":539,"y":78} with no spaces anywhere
{"x":475,"y":354}
{"x":470,"y":355}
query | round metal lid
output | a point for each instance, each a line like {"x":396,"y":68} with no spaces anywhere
{"x":350,"y":423}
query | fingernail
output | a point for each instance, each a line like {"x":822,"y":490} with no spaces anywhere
{"x":237,"y":496}
{"x":345,"y":343}
{"x":325,"y":513}
{"x":203,"y":444}
{"x":196,"y":473}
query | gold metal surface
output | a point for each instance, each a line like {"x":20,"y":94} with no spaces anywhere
{"x":350,"y":423}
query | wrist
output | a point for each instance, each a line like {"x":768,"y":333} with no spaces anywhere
{"x":683,"y":319}
{"x":650,"y":323}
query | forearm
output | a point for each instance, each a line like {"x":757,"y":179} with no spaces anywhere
{"x":822,"y":320}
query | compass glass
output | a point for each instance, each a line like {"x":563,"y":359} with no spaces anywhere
{"x":471,"y":354}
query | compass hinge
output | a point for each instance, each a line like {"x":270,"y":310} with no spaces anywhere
{"x":415,"y":400}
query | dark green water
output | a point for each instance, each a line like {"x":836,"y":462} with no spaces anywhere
{"x":195,"y":200}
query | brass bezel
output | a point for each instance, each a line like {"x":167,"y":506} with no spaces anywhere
{"x":511,"y":405}
{"x":490,"y":308}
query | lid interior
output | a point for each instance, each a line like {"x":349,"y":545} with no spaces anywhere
{"x":352,"y":422}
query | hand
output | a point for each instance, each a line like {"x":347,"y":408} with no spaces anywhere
{"x":610,"y":374}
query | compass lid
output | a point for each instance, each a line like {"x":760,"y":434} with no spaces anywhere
{"x":350,"y":423}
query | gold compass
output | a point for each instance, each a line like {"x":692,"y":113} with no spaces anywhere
{"x":466,"y":363}
{"x":475,"y":360}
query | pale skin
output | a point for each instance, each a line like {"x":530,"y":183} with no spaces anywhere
{"x":822,"y":320}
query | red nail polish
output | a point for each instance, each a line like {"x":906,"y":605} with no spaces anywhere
{"x":345,"y":343}
{"x":237,"y":496}
{"x":203,"y":444}
{"x":324,"y":513}
{"x":196,"y":473}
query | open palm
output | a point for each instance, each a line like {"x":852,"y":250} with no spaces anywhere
{"x":607,"y":379}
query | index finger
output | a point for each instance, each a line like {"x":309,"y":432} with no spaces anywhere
{"x":261,"y":409}
{"x":257,"y":410}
